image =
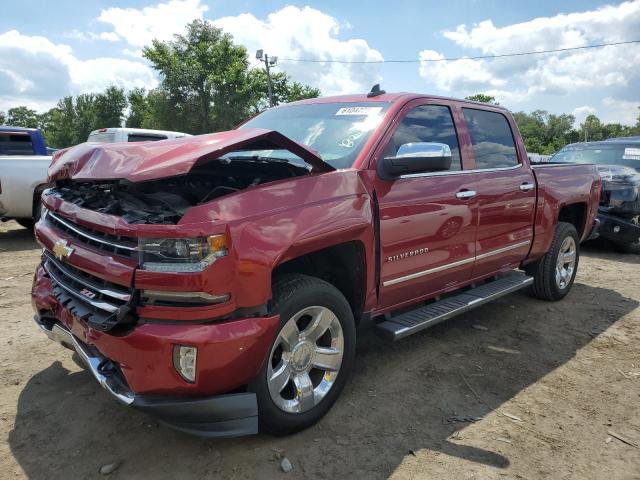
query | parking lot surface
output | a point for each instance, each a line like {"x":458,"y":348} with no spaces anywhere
{"x":519,"y":388}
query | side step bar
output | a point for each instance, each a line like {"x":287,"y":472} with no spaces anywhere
{"x":413,"y":321}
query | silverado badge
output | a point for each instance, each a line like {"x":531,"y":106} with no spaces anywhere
{"x":403,"y":255}
{"x":61,"y":249}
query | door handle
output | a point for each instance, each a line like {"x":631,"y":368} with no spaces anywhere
{"x":464,"y":194}
{"x":526,"y":186}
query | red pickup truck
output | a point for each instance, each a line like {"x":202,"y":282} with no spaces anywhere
{"x":217,"y":281}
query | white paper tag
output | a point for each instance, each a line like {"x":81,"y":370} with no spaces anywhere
{"x":359,"y":110}
{"x":631,"y":154}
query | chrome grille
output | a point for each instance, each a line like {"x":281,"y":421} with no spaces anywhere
{"x":123,"y":246}
{"x":84,"y":295}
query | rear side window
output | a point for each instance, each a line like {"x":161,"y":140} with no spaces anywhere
{"x":491,"y":138}
{"x":104,"y":137}
{"x":15,"y":144}
{"x":141,"y":137}
{"x":427,"y":123}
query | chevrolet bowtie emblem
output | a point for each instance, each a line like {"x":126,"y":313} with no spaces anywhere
{"x":61,"y":249}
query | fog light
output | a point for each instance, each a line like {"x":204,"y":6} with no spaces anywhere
{"x":616,"y":229}
{"x":184,"y":361}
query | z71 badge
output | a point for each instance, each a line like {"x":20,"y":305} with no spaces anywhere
{"x":412,"y":253}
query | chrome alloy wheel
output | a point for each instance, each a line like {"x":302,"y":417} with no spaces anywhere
{"x":305,"y":359}
{"x":566,"y":263}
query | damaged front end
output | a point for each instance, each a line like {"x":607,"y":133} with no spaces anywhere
{"x":157,"y":182}
{"x":619,"y":210}
{"x":166,"y":200}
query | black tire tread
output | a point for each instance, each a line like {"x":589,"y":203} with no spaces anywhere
{"x":284,"y":289}
{"x":543,"y":270}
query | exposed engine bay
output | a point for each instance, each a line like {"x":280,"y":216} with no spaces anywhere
{"x":165,"y":201}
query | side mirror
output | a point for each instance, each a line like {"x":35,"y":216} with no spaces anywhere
{"x":419,"y":157}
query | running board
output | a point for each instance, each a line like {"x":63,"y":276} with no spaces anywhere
{"x":413,"y":321}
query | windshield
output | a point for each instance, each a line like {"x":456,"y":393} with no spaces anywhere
{"x":601,"y":154}
{"x":337,"y":131}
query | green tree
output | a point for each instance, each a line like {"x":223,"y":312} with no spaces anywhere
{"x":545,"y":133}
{"x":3,"y":118}
{"x":283,"y":90}
{"x":591,"y":129}
{"x":206,"y":82}
{"x":85,"y":116}
{"x":138,"y":108}
{"x":23,"y":117}
{"x":204,"y":74}
{"x":60,"y":132}
{"x":109,"y":107}
{"x":481,"y":97}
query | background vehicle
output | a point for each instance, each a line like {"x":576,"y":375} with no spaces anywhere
{"x":117,"y":135}
{"x":618,"y":162}
{"x":217,"y":281}
{"x":24,"y":160}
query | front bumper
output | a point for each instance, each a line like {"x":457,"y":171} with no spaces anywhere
{"x":617,"y":229}
{"x":228,"y":415}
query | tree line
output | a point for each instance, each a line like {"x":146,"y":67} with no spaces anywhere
{"x":207,"y":85}
{"x":546,"y":133}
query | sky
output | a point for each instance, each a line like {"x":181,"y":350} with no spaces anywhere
{"x":52,"y":49}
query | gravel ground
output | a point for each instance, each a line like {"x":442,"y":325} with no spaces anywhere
{"x":517,"y":389}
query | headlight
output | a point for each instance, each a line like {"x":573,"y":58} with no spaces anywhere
{"x":181,"y":254}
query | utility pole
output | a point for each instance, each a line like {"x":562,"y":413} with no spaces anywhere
{"x":268,"y":63}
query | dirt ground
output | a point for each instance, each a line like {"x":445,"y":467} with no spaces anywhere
{"x":516,"y":389}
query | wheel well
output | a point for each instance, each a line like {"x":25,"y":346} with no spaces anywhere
{"x":575,"y":214}
{"x":341,"y":265}
{"x":37,"y":192}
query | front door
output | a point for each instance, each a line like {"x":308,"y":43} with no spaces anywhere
{"x":427,"y":231}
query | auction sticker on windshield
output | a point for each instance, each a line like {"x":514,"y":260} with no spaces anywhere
{"x":359,"y":110}
{"x":631,"y":154}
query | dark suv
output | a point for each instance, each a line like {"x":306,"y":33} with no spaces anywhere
{"x":618,"y":161}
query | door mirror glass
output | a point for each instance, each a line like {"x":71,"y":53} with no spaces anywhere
{"x":417,"y":157}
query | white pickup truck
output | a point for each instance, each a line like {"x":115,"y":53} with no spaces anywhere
{"x":24,"y":159}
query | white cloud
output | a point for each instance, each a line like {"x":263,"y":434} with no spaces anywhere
{"x":620,"y":111}
{"x":290,"y":32}
{"x":76,"y":34}
{"x":139,"y":26}
{"x":580,"y":113}
{"x":550,"y":74}
{"x":37,"y":72}
{"x":308,"y":33}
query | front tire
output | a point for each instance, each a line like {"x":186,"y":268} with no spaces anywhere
{"x":311,"y":357}
{"x":555,"y":273}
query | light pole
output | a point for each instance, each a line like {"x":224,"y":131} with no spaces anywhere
{"x":268,"y":63}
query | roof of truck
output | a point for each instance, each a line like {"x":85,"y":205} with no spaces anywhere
{"x":9,"y":128}
{"x":389,"y":98}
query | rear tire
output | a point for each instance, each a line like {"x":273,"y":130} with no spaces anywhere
{"x":303,"y":375}
{"x":554,"y":273}
{"x":26,"y":223}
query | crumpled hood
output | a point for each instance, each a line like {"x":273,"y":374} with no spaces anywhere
{"x":140,"y":161}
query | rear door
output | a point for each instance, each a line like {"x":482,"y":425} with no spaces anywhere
{"x":427,"y":231}
{"x":506,"y":193}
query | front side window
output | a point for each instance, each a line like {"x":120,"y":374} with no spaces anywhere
{"x":427,"y":123}
{"x":491,"y":139}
